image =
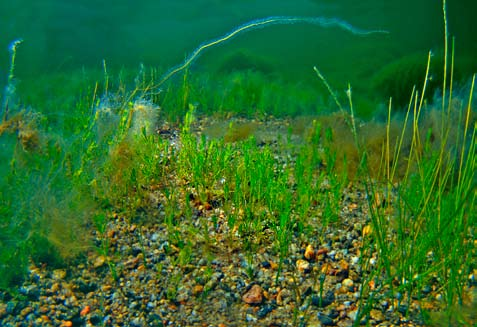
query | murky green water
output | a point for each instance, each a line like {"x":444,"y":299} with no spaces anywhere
{"x":65,"y":35}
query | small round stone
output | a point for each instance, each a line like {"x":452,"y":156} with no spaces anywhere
{"x":254,"y":295}
{"x":309,"y":252}
{"x":348,"y":283}
{"x":303,"y":266}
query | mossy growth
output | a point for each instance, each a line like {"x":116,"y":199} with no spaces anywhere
{"x":373,"y":137}
{"x":24,"y":126}
{"x":240,"y":131}
{"x":43,"y":210}
{"x":398,"y":78}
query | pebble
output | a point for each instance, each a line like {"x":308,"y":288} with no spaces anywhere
{"x":283,"y":297}
{"x":26,"y":311}
{"x":309,"y":252}
{"x":84,"y":296}
{"x":58,"y":274}
{"x":352,"y":314}
{"x":99,"y":261}
{"x":344,"y":265}
{"x":322,"y":251}
{"x":316,"y":300}
{"x":137,"y":322}
{"x":266,"y":264}
{"x":250,"y":318}
{"x":263,"y":311}
{"x":377,"y":315}
{"x":154,"y":237}
{"x":197,"y":289}
{"x":303,"y":266}
{"x":254,"y":295}
{"x":348,"y":283}
{"x":325,"y":320}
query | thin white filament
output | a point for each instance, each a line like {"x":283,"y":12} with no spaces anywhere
{"x":263,"y":22}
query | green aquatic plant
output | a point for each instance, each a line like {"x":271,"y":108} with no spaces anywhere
{"x":421,"y":197}
{"x":397,"y":78}
{"x":38,"y":184}
{"x":10,"y":89}
{"x":423,"y":225}
{"x":100,"y":222}
{"x":268,"y":201}
{"x":428,"y":208}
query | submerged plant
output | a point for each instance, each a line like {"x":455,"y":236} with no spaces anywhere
{"x":423,"y":225}
{"x":10,"y":90}
{"x":421,"y":216}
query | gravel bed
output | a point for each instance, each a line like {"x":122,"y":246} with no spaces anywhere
{"x":209,"y":279}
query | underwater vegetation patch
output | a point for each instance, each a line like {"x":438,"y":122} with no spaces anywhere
{"x":373,"y":135}
{"x":397,"y":79}
{"x":44,"y":213}
{"x":228,"y":191}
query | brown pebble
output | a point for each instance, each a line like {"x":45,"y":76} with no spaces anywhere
{"x":283,"y":297}
{"x":99,"y":261}
{"x":132,"y":263}
{"x":347,"y":283}
{"x":344,"y":265}
{"x":266,"y":295}
{"x":58,"y":274}
{"x":106,"y":288}
{"x":55,"y":288}
{"x":342,"y":290}
{"x":377,"y":315}
{"x":25,"y":311}
{"x":85,"y":310}
{"x":254,"y":295}
{"x":43,"y":309}
{"x":326,"y":268}
{"x":320,"y":254}
{"x":197,"y":289}
{"x":309,"y":252}
{"x":303,"y":266}
{"x":172,"y":307}
{"x":273,"y":265}
{"x":321,"y":251}
{"x":45,"y":318}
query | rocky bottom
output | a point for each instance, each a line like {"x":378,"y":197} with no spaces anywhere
{"x":201,"y":273}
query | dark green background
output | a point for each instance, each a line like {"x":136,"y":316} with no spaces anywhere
{"x":61,"y":35}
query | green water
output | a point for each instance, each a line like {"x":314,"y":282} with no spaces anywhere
{"x":61,"y":36}
{"x":78,"y":152}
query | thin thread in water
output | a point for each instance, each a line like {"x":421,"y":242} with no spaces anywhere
{"x":259,"y":23}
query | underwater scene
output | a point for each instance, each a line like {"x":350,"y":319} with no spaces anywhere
{"x":238,"y":163}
